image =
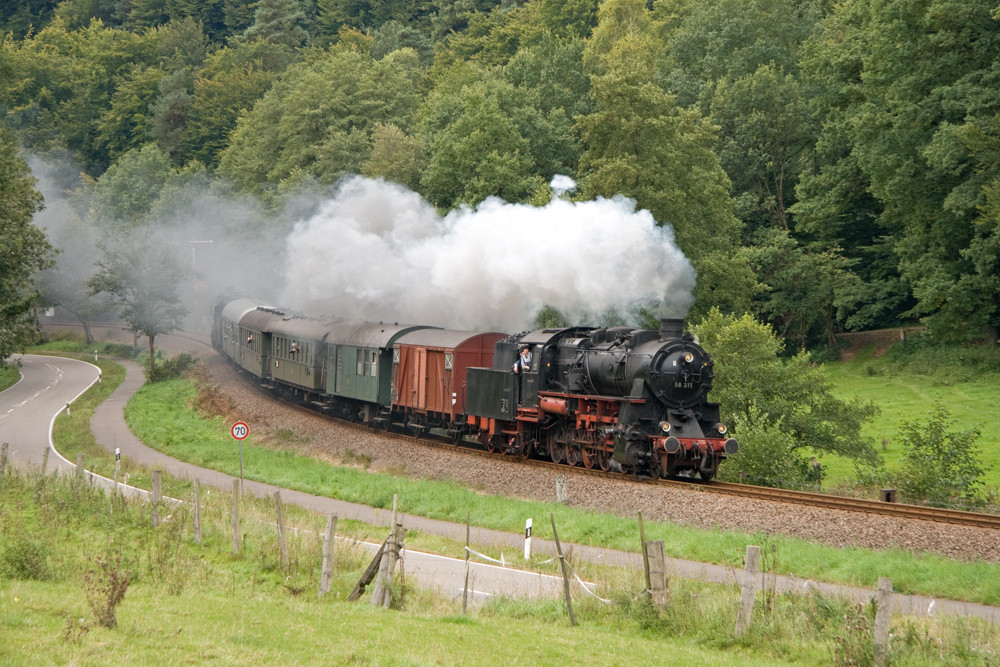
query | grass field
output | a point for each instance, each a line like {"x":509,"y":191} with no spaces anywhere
{"x":973,"y":400}
{"x":63,"y":544}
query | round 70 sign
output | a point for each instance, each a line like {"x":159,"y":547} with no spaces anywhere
{"x":240,"y":430}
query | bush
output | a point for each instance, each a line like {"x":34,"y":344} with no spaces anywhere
{"x":941,"y":467}
{"x":24,"y":558}
{"x":768,"y":456}
{"x":168,"y":369}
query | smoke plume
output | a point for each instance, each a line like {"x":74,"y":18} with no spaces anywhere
{"x":377,"y":251}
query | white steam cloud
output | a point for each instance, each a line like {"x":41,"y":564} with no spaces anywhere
{"x":377,"y":251}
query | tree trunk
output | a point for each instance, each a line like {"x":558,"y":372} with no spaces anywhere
{"x":152,"y":362}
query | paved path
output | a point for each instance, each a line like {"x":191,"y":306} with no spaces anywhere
{"x":110,"y":430}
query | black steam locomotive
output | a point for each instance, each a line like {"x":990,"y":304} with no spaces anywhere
{"x":617,"y":399}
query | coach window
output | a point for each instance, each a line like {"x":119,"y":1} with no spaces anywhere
{"x":449,"y":361}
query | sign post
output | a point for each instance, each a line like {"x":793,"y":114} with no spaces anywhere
{"x":240,"y":431}
{"x":527,"y":539}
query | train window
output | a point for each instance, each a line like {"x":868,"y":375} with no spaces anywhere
{"x":449,"y":361}
{"x":395,"y":355}
{"x":361,"y":362}
{"x":374,"y":363}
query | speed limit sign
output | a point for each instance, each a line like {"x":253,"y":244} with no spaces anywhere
{"x":240,"y":430}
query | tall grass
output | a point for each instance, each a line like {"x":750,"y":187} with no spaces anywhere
{"x":8,"y":375}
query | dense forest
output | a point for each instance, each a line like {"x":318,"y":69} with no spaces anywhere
{"x":825,"y":166}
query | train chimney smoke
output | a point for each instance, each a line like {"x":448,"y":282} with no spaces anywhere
{"x":671,"y":328}
{"x":376,"y":250}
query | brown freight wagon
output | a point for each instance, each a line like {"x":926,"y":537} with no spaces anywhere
{"x":429,"y":372}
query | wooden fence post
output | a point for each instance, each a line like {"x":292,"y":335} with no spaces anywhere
{"x":659,"y":583}
{"x":236,"y":516}
{"x":382,"y":593}
{"x":645,"y":558}
{"x":197,"y":512}
{"x":749,"y":589}
{"x":883,"y":614}
{"x":282,"y":541}
{"x":326,"y":574}
{"x":562,"y":562}
{"x":157,"y":497}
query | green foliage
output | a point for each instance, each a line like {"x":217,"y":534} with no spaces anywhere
{"x":8,"y":375}
{"x":230,"y":83}
{"x":124,"y":195}
{"x":395,"y":156}
{"x":941,"y":467}
{"x":764,"y":394}
{"x":169,"y":369}
{"x":279,"y":22}
{"x":911,"y":134}
{"x":638,"y":143}
{"x":769,"y":455}
{"x":142,"y":278}
{"x":284,"y":131}
{"x":803,"y":287}
{"x":24,"y":251}
{"x":63,"y":80}
{"x":478,"y":149}
{"x":24,"y":558}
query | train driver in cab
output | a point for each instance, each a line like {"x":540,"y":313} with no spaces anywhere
{"x":523,"y":360}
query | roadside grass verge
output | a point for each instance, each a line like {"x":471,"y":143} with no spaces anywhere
{"x":161,"y":416}
{"x":9,"y":375}
{"x":908,"y":396}
{"x":198,"y":603}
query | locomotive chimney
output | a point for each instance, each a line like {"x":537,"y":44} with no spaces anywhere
{"x":671,"y":328}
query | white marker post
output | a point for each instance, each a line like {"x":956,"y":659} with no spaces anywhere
{"x":240,"y":431}
{"x":527,"y":539}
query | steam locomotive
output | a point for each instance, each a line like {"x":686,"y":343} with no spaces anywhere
{"x":618,"y":398}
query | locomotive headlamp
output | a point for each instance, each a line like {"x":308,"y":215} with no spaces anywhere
{"x":665,"y":426}
{"x":688,"y":357}
{"x":721,"y":429}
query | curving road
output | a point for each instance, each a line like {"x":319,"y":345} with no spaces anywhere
{"x":29,"y":408}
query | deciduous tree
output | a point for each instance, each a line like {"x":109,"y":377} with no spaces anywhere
{"x":760,"y":392}
{"x":24,"y":248}
{"x":142,"y":275}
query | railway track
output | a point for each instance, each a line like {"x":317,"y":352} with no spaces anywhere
{"x":811,"y":499}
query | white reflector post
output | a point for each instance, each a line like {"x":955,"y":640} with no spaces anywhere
{"x":527,"y":539}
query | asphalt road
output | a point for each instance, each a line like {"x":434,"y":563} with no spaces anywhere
{"x":28,"y":409}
